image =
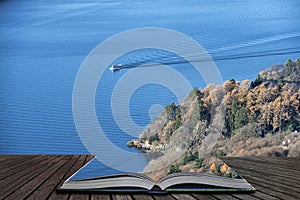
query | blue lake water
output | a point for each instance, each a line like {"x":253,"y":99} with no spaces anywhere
{"x":43,"y":43}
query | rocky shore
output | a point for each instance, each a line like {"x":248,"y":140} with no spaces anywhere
{"x":145,"y":146}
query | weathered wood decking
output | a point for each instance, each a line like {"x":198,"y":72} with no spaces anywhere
{"x":38,"y":177}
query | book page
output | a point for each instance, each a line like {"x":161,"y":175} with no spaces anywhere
{"x":210,"y":123}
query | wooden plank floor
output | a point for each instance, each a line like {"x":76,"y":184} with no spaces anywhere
{"x":38,"y":177}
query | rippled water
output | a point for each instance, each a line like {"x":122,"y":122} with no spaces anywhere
{"x":43,"y":44}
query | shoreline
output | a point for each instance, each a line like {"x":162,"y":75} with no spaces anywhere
{"x":146,"y":147}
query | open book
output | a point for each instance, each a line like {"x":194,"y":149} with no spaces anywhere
{"x":138,"y":182}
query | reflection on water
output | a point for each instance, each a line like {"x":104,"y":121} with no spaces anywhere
{"x":95,"y":168}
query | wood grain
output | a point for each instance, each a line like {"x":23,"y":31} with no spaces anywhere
{"x":39,"y":176}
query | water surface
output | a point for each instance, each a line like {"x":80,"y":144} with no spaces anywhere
{"x":43,"y":43}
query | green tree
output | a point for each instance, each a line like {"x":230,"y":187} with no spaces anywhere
{"x":234,"y":109}
{"x":177,"y":122}
{"x":288,"y":63}
{"x":153,"y":138}
{"x":171,"y":111}
{"x":188,"y":157}
{"x":174,"y":169}
{"x":259,"y":80}
{"x":203,"y":112}
{"x":241,"y":118}
{"x":198,"y":163}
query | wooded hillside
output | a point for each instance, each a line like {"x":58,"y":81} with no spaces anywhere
{"x":264,"y":112}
